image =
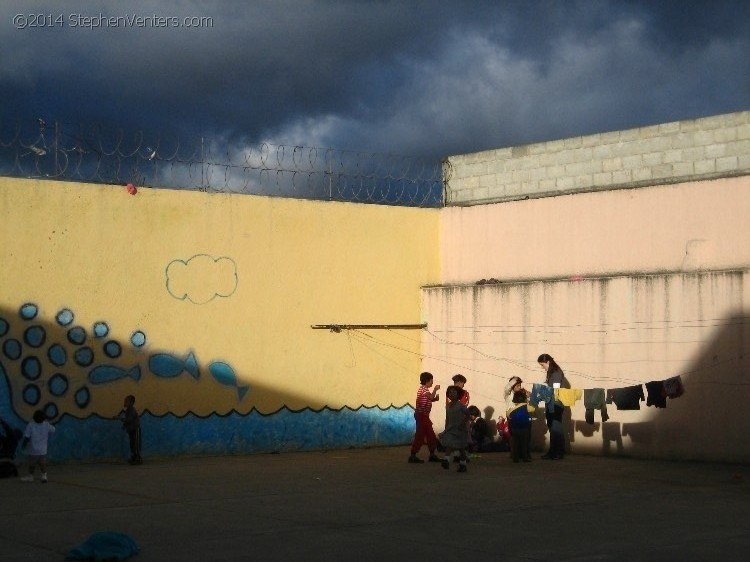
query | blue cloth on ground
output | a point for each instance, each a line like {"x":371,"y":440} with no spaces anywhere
{"x":102,"y":546}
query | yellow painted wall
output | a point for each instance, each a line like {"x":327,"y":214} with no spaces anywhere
{"x":232,"y":278}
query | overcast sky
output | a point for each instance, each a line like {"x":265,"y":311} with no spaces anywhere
{"x":430,"y":78}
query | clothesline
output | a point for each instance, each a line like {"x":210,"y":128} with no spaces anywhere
{"x":624,"y":398}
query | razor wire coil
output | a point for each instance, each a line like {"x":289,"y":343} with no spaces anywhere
{"x":94,"y":154}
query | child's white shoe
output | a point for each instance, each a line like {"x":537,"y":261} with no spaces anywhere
{"x":44,"y":477}
{"x":28,"y":478}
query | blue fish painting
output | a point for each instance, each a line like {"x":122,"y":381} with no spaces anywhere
{"x":109,"y":373}
{"x":224,"y":374}
{"x":167,"y":366}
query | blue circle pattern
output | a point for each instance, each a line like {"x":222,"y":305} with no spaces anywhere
{"x":77,"y":335}
{"x":82,"y":397}
{"x":84,"y":356}
{"x":50,"y":410}
{"x":31,"y":394}
{"x":35,"y":336}
{"x":12,"y":349}
{"x":57,"y":355}
{"x":31,"y":368}
{"x":112,"y":349}
{"x":101,"y":329}
{"x":28,"y":311}
{"x":58,"y":384}
{"x":138,"y":339}
{"x":65,"y":317}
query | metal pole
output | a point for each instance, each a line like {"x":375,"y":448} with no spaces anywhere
{"x":339,"y":327}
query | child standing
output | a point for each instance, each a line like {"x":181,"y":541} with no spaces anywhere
{"x":455,"y":438}
{"x":520,"y":427}
{"x":459,"y":381}
{"x":35,"y":444}
{"x":131,"y":423}
{"x":424,"y":432}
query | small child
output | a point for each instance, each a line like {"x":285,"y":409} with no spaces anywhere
{"x":455,"y":438}
{"x":131,"y":423}
{"x":460,"y":381}
{"x":424,"y":432}
{"x":35,"y":444}
{"x":515,"y":384}
{"x":503,"y":434}
{"x":481,"y":440}
{"x":520,"y":427}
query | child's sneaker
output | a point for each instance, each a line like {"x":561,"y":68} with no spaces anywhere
{"x":44,"y":478}
{"x":414,"y":459}
{"x":29,"y":478}
{"x":435,"y":458}
{"x":446,"y":464}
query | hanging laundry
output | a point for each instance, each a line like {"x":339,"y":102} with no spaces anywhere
{"x":673,"y":387}
{"x":657,"y":396}
{"x":593,"y":399}
{"x":568,"y":396}
{"x":627,"y":398}
{"x":542,"y":393}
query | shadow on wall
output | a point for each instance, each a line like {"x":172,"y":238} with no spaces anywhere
{"x":708,"y":422}
{"x":79,"y":375}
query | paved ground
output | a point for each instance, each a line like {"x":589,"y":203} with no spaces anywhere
{"x":371,"y":505}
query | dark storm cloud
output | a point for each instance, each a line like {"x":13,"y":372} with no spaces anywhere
{"x":423,"y":78}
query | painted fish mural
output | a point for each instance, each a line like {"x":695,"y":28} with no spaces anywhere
{"x":224,"y":374}
{"x":61,"y":365}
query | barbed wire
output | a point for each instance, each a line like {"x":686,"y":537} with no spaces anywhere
{"x":94,"y":154}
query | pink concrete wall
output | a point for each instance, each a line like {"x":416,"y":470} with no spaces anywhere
{"x":607,"y":333}
{"x":681,"y":227}
{"x":621,"y":287}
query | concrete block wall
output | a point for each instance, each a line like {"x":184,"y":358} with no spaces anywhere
{"x":706,"y":148}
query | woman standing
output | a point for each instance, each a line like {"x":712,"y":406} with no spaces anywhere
{"x":553,"y":411}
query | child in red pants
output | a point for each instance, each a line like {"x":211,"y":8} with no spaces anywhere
{"x":424,"y":432}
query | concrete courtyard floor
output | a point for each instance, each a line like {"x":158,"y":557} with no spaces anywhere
{"x":369,"y":504}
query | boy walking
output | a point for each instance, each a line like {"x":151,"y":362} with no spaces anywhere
{"x":35,"y":444}
{"x":131,"y":423}
{"x":424,"y":432}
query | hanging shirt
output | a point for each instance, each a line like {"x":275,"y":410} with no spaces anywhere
{"x":627,"y":398}
{"x":567,"y":396}
{"x":542,"y":393}
{"x":593,"y":399}
{"x":656,"y":396}
{"x":673,"y":387}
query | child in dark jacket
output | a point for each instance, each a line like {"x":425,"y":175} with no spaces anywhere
{"x":519,"y":420}
{"x":131,"y":422}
